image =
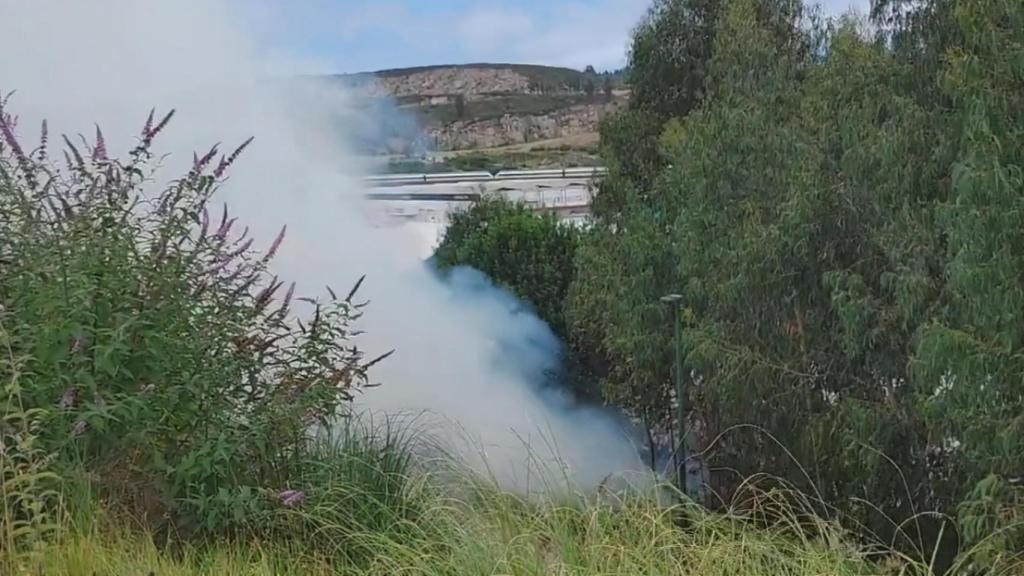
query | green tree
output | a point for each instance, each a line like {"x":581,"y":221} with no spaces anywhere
{"x":529,"y":254}
{"x":969,"y":361}
{"x":533,"y":256}
{"x":637,"y":213}
{"x":669,"y":56}
{"x":842,"y":219}
{"x":666,"y":68}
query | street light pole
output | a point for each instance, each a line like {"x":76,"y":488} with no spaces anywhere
{"x":674,"y":302}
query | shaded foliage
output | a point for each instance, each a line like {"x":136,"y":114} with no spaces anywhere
{"x":842,"y":216}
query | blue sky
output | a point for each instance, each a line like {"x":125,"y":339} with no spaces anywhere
{"x":361,"y":35}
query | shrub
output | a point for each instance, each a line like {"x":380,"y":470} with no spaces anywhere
{"x":28,"y":490}
{"x":532,"y":256}
{"x":160,"y":352}
{"x":529,"y":254}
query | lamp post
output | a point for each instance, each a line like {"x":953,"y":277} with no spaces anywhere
{"x":673,"y":301}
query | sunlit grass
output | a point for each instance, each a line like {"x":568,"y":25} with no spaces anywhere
{"x":372,"y":510}
{"x":496,"y":533}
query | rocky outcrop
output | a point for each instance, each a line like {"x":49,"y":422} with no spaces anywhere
{"x":475,"y":106}
{"x":519,"y":129}
{"x":472,"y":83}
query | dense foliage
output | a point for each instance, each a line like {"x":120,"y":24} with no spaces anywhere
{"x":142,"y":337}
{"x":843,"y":218}
{"x":530,"y":255}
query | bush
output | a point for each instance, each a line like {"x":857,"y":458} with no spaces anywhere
{"x":160,"y":353}
{"x":532,"y":256}
{"x":529,"y":254}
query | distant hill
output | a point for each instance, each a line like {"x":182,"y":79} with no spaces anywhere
{"x":478,"y":106}
{"x":543,"y":79}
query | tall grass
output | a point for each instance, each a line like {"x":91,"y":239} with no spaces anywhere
{"x":370,"y":509}
{"x":502,"y":535}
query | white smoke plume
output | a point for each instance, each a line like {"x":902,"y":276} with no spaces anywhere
{"x":464,"y":352}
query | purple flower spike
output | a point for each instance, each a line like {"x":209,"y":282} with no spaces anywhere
{"x":292,"y":498}
{"x":99,"y":150}
{"x":147,"y":130}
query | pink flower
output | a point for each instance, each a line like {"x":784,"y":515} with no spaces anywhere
{"x":292,"y":498}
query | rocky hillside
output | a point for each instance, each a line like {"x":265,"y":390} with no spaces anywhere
{"x":470,"y":107}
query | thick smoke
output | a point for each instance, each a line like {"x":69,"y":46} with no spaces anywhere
{"x":465,"y":352}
